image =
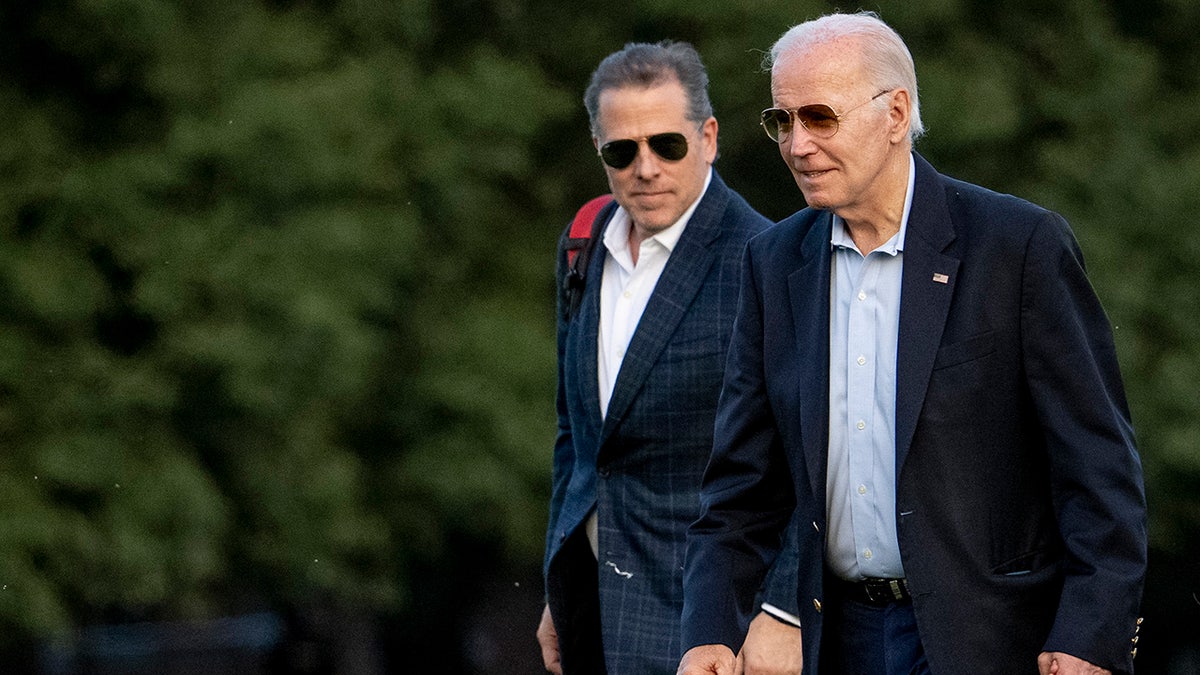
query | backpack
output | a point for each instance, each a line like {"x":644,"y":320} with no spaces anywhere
{"x":578,"y":242}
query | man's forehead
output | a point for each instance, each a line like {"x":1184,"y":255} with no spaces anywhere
{"x":816,"y":71}
{"x":662,"y":104}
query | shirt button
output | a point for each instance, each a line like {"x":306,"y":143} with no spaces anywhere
{"x":861,"y":425}
{"x":862,"y":489}
{"x":627,"y":294}
{"x":862,"y":360}
{"x":862,"y":295}
{"x":867,"y":554}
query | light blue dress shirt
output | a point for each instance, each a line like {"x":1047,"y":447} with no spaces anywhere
{"x":864,"y":322}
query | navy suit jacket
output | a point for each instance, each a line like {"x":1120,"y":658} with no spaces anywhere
{"x":1020,"y":507}
{"x":641,"y":466}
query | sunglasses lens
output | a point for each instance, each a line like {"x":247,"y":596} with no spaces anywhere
{"x":820,"y":120}
{"x":776,"y":123}
{"x":671,"y":147}
{"x":619,"y":154}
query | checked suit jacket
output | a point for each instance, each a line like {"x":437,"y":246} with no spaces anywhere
{"x":1020,"y":509}
{"x":641,"y":465}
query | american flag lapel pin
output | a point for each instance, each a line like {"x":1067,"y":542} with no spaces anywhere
{"x":941,"y":278}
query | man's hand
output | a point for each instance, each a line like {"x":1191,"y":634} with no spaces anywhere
{"x":772,"y":647}
{"x":707,"y":660}
{"x":548,"y":638}
{"x":1058,"y":663}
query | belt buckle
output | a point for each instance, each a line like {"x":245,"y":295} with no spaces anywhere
{"x":869,"y":588}
{"x":883,"y":591}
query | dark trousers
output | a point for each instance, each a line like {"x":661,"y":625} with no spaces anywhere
{"x":574,"y":597}
{"x":860,"y":639}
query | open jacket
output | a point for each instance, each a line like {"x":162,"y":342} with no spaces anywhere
{"x":1019,"y":504}
{"x":641,"y":465}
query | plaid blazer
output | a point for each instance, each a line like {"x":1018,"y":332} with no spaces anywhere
{"x":641,"y":466}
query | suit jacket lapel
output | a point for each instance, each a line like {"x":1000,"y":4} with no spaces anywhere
{"x":681,"y":279}
{"x":927,"y":286}
{"x":808,"y":288}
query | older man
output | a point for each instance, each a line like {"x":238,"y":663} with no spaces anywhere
{"x":921,"y":366}
{"x":640,"y":358}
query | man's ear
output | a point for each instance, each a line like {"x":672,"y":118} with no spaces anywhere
{"x":708,"y":132}
{"x":900,"y":114}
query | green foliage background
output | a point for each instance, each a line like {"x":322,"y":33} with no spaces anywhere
{"x":276,"y":292}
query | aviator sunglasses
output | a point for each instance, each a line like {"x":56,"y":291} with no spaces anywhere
{"x":819,"y":119}
{"x":620,"y":154}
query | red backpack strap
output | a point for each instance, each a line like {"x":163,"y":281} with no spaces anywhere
{"x":581,"y":228}
{"x":579,"y":240}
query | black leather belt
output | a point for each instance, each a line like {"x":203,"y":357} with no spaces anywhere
{"x":875,"y":592}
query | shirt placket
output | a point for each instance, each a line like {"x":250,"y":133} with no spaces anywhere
{"x":860,"y":394}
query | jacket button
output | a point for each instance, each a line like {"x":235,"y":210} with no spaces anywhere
{"x":817,"y":605}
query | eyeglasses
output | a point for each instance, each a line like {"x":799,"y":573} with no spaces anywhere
{"x":620,"y":154}
{"x":819,"y":119}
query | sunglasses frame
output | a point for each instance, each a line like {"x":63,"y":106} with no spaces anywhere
{"x":605,"y":151}
{"x":822,"y":110}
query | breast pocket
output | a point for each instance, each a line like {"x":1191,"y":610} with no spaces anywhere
{"x":962,"y":387}
{"x":965,"y":351}
{"x":688,"y":346}
{"x":687,"y":374}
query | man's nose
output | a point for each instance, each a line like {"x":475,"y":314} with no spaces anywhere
{"x":799,"y":141}
{"x":646,"y":163}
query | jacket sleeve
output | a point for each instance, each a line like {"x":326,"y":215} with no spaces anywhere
{"x":782,"y":582}
{"x":1096,"y":476}
{"x":563,"y":459}
{"x":745,"y":498}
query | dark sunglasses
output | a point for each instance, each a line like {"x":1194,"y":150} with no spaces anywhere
{"x":819,"y":119}
{"x":620,"y":154}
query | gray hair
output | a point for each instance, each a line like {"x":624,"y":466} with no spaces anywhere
{"x":886,"y":58}
{"x":646,"y":65}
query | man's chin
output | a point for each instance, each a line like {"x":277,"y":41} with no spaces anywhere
{"x":652,"y":221}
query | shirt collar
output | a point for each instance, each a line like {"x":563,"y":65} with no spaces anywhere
{"x":840,"y":238}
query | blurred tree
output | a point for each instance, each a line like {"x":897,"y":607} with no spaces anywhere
{"x":260,"y":347}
